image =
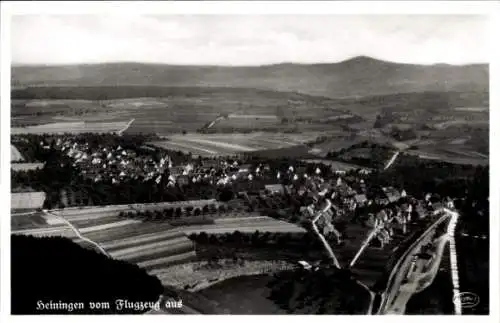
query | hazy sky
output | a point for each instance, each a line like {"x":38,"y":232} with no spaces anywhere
{"x":247,"y":40}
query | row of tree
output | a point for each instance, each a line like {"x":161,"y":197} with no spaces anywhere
{"x":171,"y":213}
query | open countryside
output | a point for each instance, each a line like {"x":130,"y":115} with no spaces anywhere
{"x":355,"y":186}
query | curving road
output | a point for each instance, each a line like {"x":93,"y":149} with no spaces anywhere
{"x":400,"y":270}
{"x":77,"y":232}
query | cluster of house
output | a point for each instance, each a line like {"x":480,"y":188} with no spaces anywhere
{"x":390,"y":208}
{"x":216,"y":172}
{"x":117,"y":164}
{"x":112,"y":163}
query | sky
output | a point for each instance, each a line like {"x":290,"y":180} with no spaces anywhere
{"x":247,"y":39}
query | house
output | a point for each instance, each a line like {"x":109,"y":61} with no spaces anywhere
{"x":182,"y":180}
{"x":176,"y":171}
{"x":437,"y":208}
{"x":275,"y":188}
{"x":245,"y":168}
{"x":382,"y":201}
{"x":344,"y":190}
{"x":360,"y":199}
{"x":209,"y":163}
{"x":449,"y":203}
{"x":391,"y":194}
{"x":305,"y":265}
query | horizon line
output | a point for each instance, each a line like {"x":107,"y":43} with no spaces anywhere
{"x":14,"y":64}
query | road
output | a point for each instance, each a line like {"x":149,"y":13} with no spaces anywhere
{"x":401,"y":268}
{"x":322,"y":238}
{"x":453,"y":263}
{"x":126,"y":127}
{"x":418,"y":280}
{"x":392,"y":160}
{"x":77,"y":232}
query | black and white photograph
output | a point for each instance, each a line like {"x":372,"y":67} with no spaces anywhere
{"x":248,"y":163}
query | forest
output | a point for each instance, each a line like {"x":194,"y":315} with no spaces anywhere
{"x":57,"y":269}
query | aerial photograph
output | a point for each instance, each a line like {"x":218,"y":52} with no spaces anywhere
{"x":249,"y":164}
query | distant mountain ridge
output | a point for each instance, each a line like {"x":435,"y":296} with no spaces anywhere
{"x":359,"y":76}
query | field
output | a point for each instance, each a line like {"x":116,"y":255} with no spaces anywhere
{"x":336,"y":165}
{"x":152,"y":245}
{"x":227,"y":144}
{"x":26,"y":166}
{"x":456,"y":146}
{"x":28,"y":200}
{"x":15,"y":155}
{"x":70,"y":127}
{"x":234,"y":117}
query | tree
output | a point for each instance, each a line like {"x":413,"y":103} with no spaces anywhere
{"x":60,"y":260}
{"x":169,"y":213}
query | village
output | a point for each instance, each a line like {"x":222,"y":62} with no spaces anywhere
{"x":293,"y":191}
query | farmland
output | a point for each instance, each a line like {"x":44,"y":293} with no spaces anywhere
{"x":223,"y":144}
{"x":26,"y":166}
{"x":27,"y":200}
{"x":224,"y":121}
{"x":70,"y":127}
{"x":154,"y":246}
{"x":15,"y":155}
{"x":166,"y":110}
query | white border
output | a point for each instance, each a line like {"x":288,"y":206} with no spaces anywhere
{"x":250,"y":7}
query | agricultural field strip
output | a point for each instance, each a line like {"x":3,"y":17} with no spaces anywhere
{"x":15,"y":154}
{"x":247,"y":142}
{"x":220,"y":144}
{"x":252,"y":222}
{"x":139,"y":239}
{"x":41,"y":230}
{"x":107,"y":226}
{"x":186,"y":146}
{"x":133,"y":229}
{"x":279,"y":142}
{"x":259,"y":138}
{"x":70,"y":127}
{"x":166,"y":260}
{"x":97,"y":222}
{"x":68,"y":233}
{"x":252,"y":116}
{"x":93,"y":217}
{"x":254,"y":218}
{"x":157,"y":252}
{"x":150,"y":247}
{"x":25,"y":166}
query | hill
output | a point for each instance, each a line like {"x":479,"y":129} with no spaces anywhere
{"x":360,"y":76}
